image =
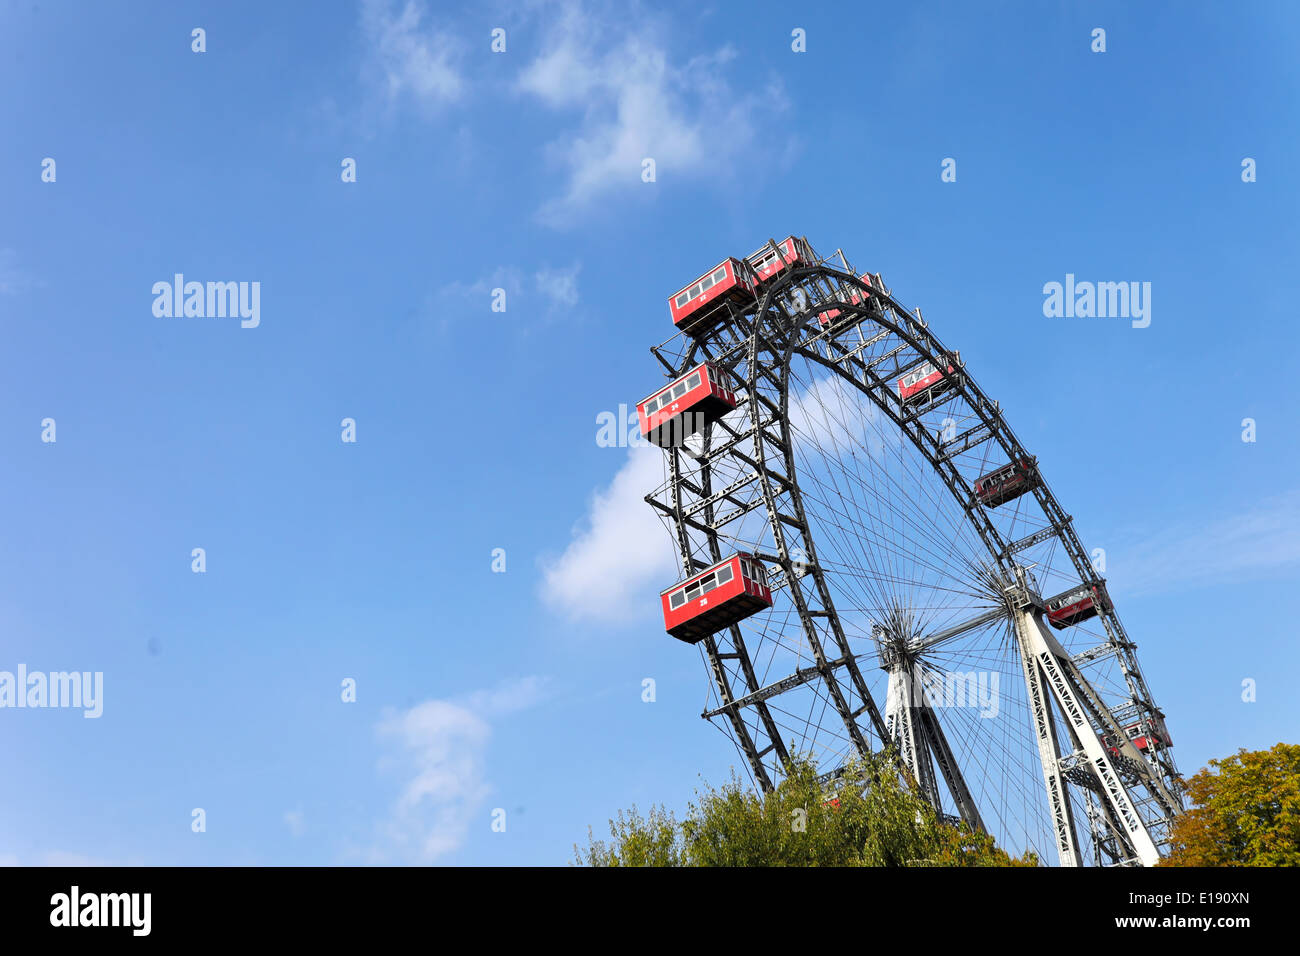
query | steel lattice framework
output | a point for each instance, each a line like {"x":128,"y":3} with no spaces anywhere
{"x":893,"y":581}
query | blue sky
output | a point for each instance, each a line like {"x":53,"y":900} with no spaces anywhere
{"x":477,"y":430}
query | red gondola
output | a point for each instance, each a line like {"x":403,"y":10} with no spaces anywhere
{"x":1008,"y":482}
{"x":716,"y":598}
{"x":767,"y":264}
{"x":688,"y":405}
{"x":855,"y":297}
{"x":699,"y":306}
{"x":1076,"y":605}
{"x":1146,"y":735}
{"x":924,"y":380}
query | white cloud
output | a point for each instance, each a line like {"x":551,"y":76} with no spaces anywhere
{"x":439,"y":748}
{"x":549,"y":292}
{"x":620,"y":557}
{"x":635,"y":103}
{"x":834,"y":417}
{"x":508,"y":697}
{"x":559,"y":286}
{"x":1260,"y":539}
{"x":296,"y":821}
{"x":479,"y":293}
{"x":410,"y":60}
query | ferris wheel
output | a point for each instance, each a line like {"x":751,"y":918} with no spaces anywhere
{"x":872,"y":561}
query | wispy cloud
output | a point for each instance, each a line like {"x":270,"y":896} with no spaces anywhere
{"x":12,"y":278}
{"x":832,"y":417}
{"x":546,"y":292}
{"x":438,"y":748}
{"x":613,"y":68}
{"x":296,"y":821}
{"x":1261,"y":539}
{"x":460,"y":296}
{"x":619,"y":554}
{"x":559,"y":287}
{"x":508,"y":697}
{"x":409,"y":58}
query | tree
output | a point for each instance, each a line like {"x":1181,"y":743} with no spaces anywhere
{"x":871,"y":818}
{"x":1246,"y":813}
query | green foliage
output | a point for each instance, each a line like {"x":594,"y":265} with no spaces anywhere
{"x":1246,"y":813}
{"x":871,"y":818}
{"x":652,"y":841}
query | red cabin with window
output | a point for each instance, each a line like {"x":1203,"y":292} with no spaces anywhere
{"x":1147,"y":735}
{"x":686,"y":406}
{"x":856,"y":297}
{"x":1008,"y":482}
{"x":717,"y":598}
{"x":767,"y":264}
{"x":1076,"y":605}
{"x":697,"y":308}
{"x":924,"y":380}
